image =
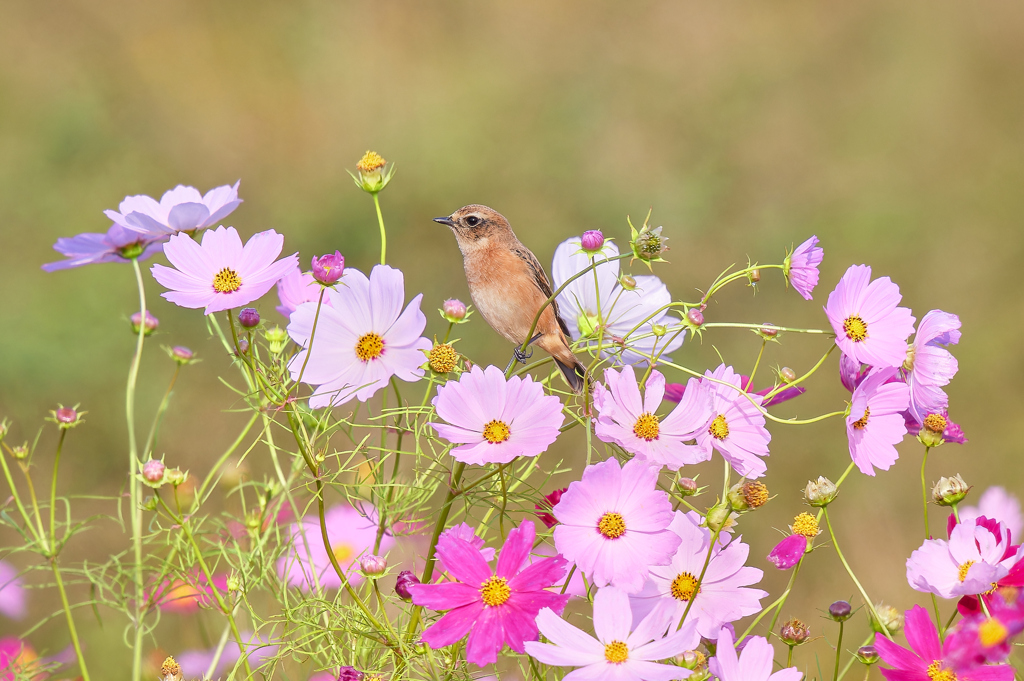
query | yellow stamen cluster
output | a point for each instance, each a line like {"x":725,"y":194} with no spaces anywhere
{"x":755,"y":494}
{"x":369,"y":346}
{"x":495,"y":591}
{"x":935,"y":423}
{"x":937,"y":673}
{"x":496,"y":432}
{"x":856,"y":328}
{"x":616,"y":652}
{"x":806,"y":525}
{"x":964,"y":569}
{"x":862,"y":422}
{"x":226,"y":281}
{"x":442,"y":358}
{"x":719,"y":428}
{"x":646,"y":427}
{"x":170,"y":669}
{"x":611,"y":525}
{"x":343,"y":553}
{"x":684,"y":587}
{"x":370,"y":161}
{"x":992,"y":632}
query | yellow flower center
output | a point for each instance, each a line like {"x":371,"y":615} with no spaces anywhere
{"x":991,"y":632}
{"x":684,"y":587}
{"x":616,"y":652}
{"x":442,"y":358}
{"x":343,"y":553}
{"x":908,"y":363}
{"x":937,"y":673}
{"x":370,"y":346}
{"x":806,"y":525}
{"x":170,"y":667}
{"x":370,"y":161}
{"x":226,"y":281}
{"x":611,"y":525}
{"x":862,"y":422}
{"x":855,"y":328}
{"x":935,"y":423}
{"x":646,"y":427}
{"x":964,"y":569}
{"x":719,"y":429}
{"x":495,"y":591}
{"x":755,"y":494}
{"x":496,"y":432}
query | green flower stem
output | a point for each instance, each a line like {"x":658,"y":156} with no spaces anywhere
{"x":208,"y":480}
{"x":154,"y":430}
{"x":757,"y":363}
{"x":35,"y":510}
{"x":737,"y":325}
{"x":53,"y":495}
{"x":867,"y":601}
{"x":782,"y":600}
{"x":735,"y":276}
{"x":853,"y":658}
{"x":839,"y":649}
{"x":924,"y":496}
{"x":40,"y":539}
{"x":71,"y":621}
{"x":312,"y":334}
{"x":134,"y":484}
{"x":383,"y":232}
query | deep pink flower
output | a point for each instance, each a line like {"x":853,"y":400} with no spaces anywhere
{"x":929,"y":365}
{"x":788,"y":552}
{"x":296,"y":288}
{"x":869,"y":325}
{"x":494,"y":607}
{"x":182,"y":209}
{"x":1000,"y":505}
{"x":737,"y":431}
{"x":801,"y":267}
{"x":549,"y":502}
{"x":327,"y":269}
{"x":981,"y":637}
{"x":466,"y":533}
{"x":592,"y":240}
{"x":976,"y":557}
{"x":753,"y":664}
{"x":90,"y":248}
{"x":17,"y":655}
{"x":875,"y":424}
{"x":1013,"y":559}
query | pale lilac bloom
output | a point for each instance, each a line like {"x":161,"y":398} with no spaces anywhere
{"x":753,"y":664}
{"x":221,"y":274}
{"x":631,"y":421}
{"x":351,"y":534}
{"x":720,"y":598}
{"x":801,"y":267}
{"x":974,"y":558}
{"x":295,"y":288}
{"x":737,"y":431}
{"x":615,"y":652}
{"x":182,"y":209}
{"x":466,"y":533}
{"x":624,"y":315}
{"x":869,"y":325}
{"x":614,"y":524}
{"x":363,"y":338}
{"x":998,"y":504}
{"x":91,"y":248}
{"x":195,"y":663}
{"x":12,"y":592}
{"x":875,"y":423}
{"x":851,"y":372}
{"x":494,"y":419}
{"x":929,"y":365}
{"x":788,"y":552}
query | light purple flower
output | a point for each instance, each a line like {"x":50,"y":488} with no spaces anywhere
{"x":182,"y":209}
{"x":801,"y":267}
{"x":90,"y":248}
{"x":998,"y":504}
{"x":970,"y":563}
{"x":720,"y":598}
{"x":363,"y":338}
{"x":614,"y":524}
{"x":851,"y":372}
{"x":495,"y":420}
{"x":221,"y":274}
{"x":12,"y":592}
{"x":875,"y":424}
{"x":296,"y":288}
{"x":737,"y":431}
{"x":788,"y":552}
{"x":869,"y":325}
{"x":754,"y":664}
{"x":929,"y":365}
{"x":632,"y":422}
{"x":195,"y":663}
{"x":615,"y":652}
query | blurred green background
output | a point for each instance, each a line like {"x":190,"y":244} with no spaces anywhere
{"x":893,"y":131}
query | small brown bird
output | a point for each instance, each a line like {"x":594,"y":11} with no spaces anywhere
{"x":508,"y":286}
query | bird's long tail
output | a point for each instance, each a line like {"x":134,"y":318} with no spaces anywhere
{"x":574,"y":372}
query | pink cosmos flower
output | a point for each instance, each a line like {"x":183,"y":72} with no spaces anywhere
{"x":221,"y":274}
{"x":90,"y":248}
{"x":952,"y":432}
{"x":929,"y":365}
{"x":296,"y":288}
{"x":631,"y":421}
{"x":869,"y":326}
{"x":754,"y":664}
{"x":1012,"y":559}
{"x":12,"y":592}
{"x":547,"y":503}
{"x":875,"y":423}
{"x":615,"y":652}
{"x":801,"y":267}
{"x":363,"y":338}
{"x":495,"y":420}
{"x":926,"y":659}
{"x":351,"y":534}
{"x":17,"y":655}
{"x":720,"y":598}
{"x":675,"y":391}
{"x":466,"y":533}
{"x":614,"y":524}
{"x":788,"y":552}
{"x":493,"y":607}
{"x":737,"y":431}
{"x":974,"y":559}
{"x":983,"y":638}
{"x":182,"y":209}
{"x":851,"y":372}
{"x":1000,"y":505}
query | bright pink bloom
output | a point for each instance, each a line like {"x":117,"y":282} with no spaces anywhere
{"x":788,"y":552}
{"x":614,"y":524}
{"x":980,"y":638}
{"x":494,"y":419}
{"x":466,"y":533}
{"x":801,"y":267}
{"x":998,"y":504}
{"x":17,"y":656}
{"x":1013,"y":559}
{"x":548,"y":503}
{"x":869,"y":325}
{"x":615,"y":652}
{"x":975,"y":557}
{"x":327,"y":269}
{"x":754,"y":664}
{"x":737,"y":431}
{"x":221,"y":274}
{"x":875,"y":424}
{"x":182,"y":209}
{"x":929,"y":365}
{"x":296,"y":288}
{"x":91,"y":248}
{"x":631,"y":421}
{"x":493,"y":607}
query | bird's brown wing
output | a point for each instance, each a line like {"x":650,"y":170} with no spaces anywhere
{"x":540,"y":278}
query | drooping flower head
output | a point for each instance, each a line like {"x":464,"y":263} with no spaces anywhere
{"x":221,"y":274}
{"x":495,"y":607}
{"x":875,"y":424}
{"x":870,"y":326}
{"x":753,"y":664}
{"x":998,"y":504}
{"x":801,"y":267}
{"x":363,"y":338}
{"x":495,"y":420}
{"x":632,"y":421}
{"x":737,"y":430}
{"x":89,"y":248}
{"x":182,"y":209}
{"x":296,"y":288}
{"x":615,"y":652}
{"x":929,"y":365}
{"x":977,"y":555}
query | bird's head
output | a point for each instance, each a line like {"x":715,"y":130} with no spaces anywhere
{"x":474,"y":223}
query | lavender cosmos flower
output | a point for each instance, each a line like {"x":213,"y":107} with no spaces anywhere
{"x":221,"y":274}
{"x":631,"y":421}
{"x":753,"y":664}
{"x":801,"y":267}
{"x":869,"y":325}
{"x":875,"y":423}
{"x":615,"y":652}
{"x":1000,"y":505}
{"x":587,"y":306}
{"x":496,"y":420}
{"x":788,"y":552}
{"x":494,"y":607}
{"x":925,"y":660}
{"x":117,"y":245}
{"x":296,"y":288}
{"x":182,"y":209}
{"x":737,"y":431}
{"x":12,"y":592}
{"x":929,"y":365}
{"x":720,"y":598}
{"x":363,"y":338}
{"x":351,"y":534}
{"x":974,"y":559}
{"x":327,"y":269}
{"x":851,"y":372}
{"x":614,"y":524}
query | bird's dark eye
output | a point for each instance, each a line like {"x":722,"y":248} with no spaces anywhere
{"x":472,"y":221}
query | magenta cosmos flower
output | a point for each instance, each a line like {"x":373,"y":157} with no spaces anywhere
{"x":296,"y":288}
{"x":974,"y":559}
{"x":737,"y":431}
{"x":614,"y":524}
{"x":615,"y":652}
{"x":875,"y":423}
{"x":493,"y":607}
{"x":496,"y":420}
{"x":801,"y":267}
{"x":466,"y":533}
{"x":117,"y":245}
{"x":221,"y":274}
{"x":987,"y":637}
{"x":929,"y":365}
{"x":925,"y":660}
{"x":720,"y":598}
{"x":753,"y":664}
{"x":182,"y":209}
{"x":788,"y":552}
{"x":869,"y":325}
{"x":998,"y":504}
{"x":363,"y":338}
{"x":632,"y":422}
{"x":351,"y":534}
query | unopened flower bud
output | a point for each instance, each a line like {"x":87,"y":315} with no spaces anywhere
{"x":372,"y":177}
{"x":717,"y":518}
{"x":249,"y":317}
{"x":805,"y":525}
{"x":867,"y":654}
{"x":442,"y":358}
{"x":153,"y":471}
{"x":592,"y":240}
{"x":253,"y":520}
{"x":659,"y":330}
{"x":66,"y":416}
{"x":769,"y":330}
{"x":840,"y":611}
{"x":327,"y":269}
{"x":373,"y":566}
{"x":277,"y":339}
{"x":890,"y":617}
{"x":20,"y":452}
{"x":687,"y":486}
{"x":949,"y":491}
{"x":234,"y":582}
{"x":787,"y":374}
{"x":627,"y":282}
{"x":150,"y":325}
{"x":754,"y":276}
{"x":349,"y":674}
{"x":695,"y":316}
{"x":181,"y":354}
{"x":794,"y":632}
{"x":175,"y":476}
{"x":170,"y":670}
{"x":453,"y":310}
{"x":405,"y":579}
{"x":820,"y":492}
{"x":694,"y":660}
{"x":243,"y":346}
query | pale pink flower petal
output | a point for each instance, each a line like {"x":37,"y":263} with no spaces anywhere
{"x":870,"y":327}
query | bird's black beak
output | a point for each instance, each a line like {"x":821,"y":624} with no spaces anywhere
{"x":445,"y":221}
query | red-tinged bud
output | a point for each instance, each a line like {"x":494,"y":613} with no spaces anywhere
{"x":66,"y":417}
{"x":548,"y":504}
{"x":840,"y":611}
{"x":592,"y":240}
{"x":249,"y":317}
{"x":687,"y":486}
{"x":787,"y":374}
{"x":695,"y":316}
{"x":794,"y":632}
{"x":453,"y":310}
{"x":754,"y":276}
{"x":150,"y":325}
{"x":327,"y":269}
{"x":182,"y":354}
{"x":405,"y":579}
{"x":867,"y":654}
{"x":153,"y":471}
{"x":373,"y":566}
{"x":768,"y":330}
